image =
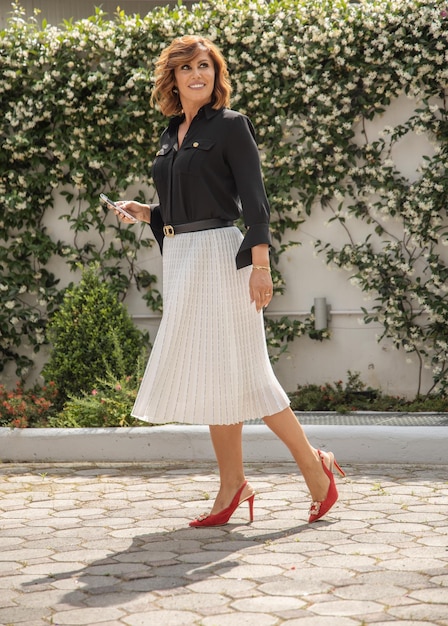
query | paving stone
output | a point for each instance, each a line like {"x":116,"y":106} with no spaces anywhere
{"x":254,"y":572}
{"x":50,"y":570}
{"x":7,"y":567}
{"x":17,"y":615}
{"x":48,"y":597}
{"x":78,"y":556}
{"x":321,"y":621}
{"x":268,"y":604}
{"x":433,"y":540}
{"x":242,"y":619}
{"x":369,"y":592}
{"x":110,"y":545}
{"x":231,"y":588}
{"x":351,"y":561}
{"x":28,"y":554}
{"x":36,"y":621}
{"x":405,"y":563}
{"x":130,"y":602}
{"x":366,"y":549}
{"x":399,"y":622}
{"x":284,"y":560}
{"x":7,"y":598}
{"x":201,"y":603}
{"x":428,"y":611}
{"x":208,"y":556}
{"x":162,"y":618}
{"x":87,"y":616}
{"x":152,"y":583}
{"x":334,"y":576}
{"x":419,"y":552}
{"x":294,"y":588}
{"x":346,"y":607}
{"x":439,"y":580}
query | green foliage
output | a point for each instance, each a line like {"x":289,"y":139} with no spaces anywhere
{"x":312,"y":75}
{"x":22,"y":408}
{"x":92,"y":334}
{"x":108,"y":404}
{"x":354,"y":395}
{"x":110,"y":401}
{"x":281,"y":332}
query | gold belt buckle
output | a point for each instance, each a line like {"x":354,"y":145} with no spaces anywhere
{"x":168,"y":230}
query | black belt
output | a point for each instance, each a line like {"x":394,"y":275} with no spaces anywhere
{"x":191,"y":227}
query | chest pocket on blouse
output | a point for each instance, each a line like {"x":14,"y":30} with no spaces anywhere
{"x":162,"y":160}
{"x":194,"y":156}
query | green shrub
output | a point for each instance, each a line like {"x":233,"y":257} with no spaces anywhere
{"x":109,"y":404}
{"x":92,"y":336}
{"x":110,"y":401}
{"x":354,"y":395}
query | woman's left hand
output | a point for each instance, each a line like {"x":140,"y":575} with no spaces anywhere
{"x":260,"y":288}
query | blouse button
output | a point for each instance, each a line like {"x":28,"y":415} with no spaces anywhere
{"x":195,"y":144}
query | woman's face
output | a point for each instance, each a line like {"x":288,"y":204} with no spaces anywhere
{"x":195,"y":80}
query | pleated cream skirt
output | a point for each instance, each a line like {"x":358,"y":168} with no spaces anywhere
{"x":209,"y":363}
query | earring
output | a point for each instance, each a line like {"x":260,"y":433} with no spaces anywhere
{"x":175,"y":91}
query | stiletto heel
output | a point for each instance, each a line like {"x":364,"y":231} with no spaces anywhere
{"x":221,"y":518}
{"x":251,"y":507}
{"x":319,"y":509}
{"x":334,"y":464}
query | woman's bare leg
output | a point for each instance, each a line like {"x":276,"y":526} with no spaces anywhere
{"x":287,"y":428}
{"x":227,"y":443}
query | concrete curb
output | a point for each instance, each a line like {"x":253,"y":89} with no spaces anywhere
{"x":351,"y":444}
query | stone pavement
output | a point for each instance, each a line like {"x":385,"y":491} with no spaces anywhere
{"x":109,"y":545}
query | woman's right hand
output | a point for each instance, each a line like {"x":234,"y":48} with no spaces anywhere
{"x":141,"y":212}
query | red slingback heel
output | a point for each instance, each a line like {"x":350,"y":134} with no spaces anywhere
{"x":319,"y":509}
{"x":333,"y":463}
{"x":221,"y":518}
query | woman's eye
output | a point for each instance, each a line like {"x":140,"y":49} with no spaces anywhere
{"x":184,"y":67}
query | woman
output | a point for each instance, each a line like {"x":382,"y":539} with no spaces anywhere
{"x":209,"y":363}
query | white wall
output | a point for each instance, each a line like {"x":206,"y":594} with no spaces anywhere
{"x":353,"y":345}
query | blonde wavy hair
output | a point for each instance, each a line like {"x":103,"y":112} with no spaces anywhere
{"x":183,"y":50}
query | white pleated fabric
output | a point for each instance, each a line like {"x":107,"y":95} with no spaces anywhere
{"x":209,"y":363}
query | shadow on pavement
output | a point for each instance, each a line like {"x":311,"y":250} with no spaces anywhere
{"x":161,"y":561}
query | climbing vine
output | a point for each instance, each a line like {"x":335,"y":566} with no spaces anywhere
{"x":313,"y":76}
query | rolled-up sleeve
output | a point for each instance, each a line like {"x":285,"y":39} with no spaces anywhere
{"x":244,"y":160}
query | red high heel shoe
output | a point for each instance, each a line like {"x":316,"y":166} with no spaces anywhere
{"x":221,"y":518}
{"x":319,"y":509}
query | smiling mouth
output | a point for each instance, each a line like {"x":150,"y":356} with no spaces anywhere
{"x":197,"y":86}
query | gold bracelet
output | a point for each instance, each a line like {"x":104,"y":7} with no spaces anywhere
{"x":262,"y":267}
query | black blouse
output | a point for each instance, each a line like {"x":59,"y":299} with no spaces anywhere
{"x":216,"y":173}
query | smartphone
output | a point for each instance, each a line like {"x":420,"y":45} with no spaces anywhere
{"x":111,"y":203}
